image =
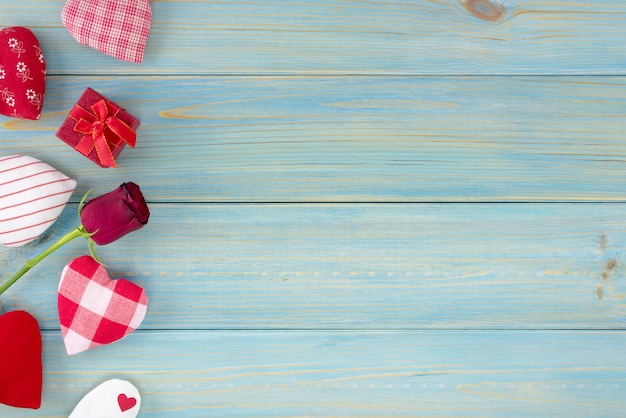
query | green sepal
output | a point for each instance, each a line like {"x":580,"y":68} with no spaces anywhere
{"x":82,"y":202}
{"x":92,"y":250}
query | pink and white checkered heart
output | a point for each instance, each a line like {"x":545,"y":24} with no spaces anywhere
{"x":32,"y":196}
{"x":119,"y":28}
{"x":95,"y":310}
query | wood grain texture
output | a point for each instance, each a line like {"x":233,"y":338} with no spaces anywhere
{"x":349,"y":374}
{"x":350,"y":139}
{"x":400,"y":266}
{"x":354,"y":208}
{"x":352,"y":37}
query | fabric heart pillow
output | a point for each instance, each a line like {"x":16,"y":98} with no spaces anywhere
{"x":95,"y":310}
{"x":32,"y":196}
{"x":111,"y":399}
{"x":22,"y":74}
{"x":119,"y":28}
{"x":20,"y":351}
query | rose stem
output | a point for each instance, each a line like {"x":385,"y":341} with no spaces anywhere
{"x":75,"y":233}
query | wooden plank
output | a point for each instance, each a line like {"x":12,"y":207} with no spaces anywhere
{"x":364,"y":37}
{"x":393,"y":266}
{"x":351,"y":374}
{"x":358,"y":139}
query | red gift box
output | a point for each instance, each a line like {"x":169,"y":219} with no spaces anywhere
{"x":99,"y":128}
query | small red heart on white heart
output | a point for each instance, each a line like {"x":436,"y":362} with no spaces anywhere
{"x":32,"y":196}
{"x":119,"y":28}
{"x":125,"y":403}
{"x":95,"y":310}
{"x":111,"y":399}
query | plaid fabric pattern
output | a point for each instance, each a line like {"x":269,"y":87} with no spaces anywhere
{"x":32,"y":196}
{"x":95,"y":310}
{"x":119,"y":28}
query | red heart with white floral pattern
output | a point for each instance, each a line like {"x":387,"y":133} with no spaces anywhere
{"x":22,"y":73}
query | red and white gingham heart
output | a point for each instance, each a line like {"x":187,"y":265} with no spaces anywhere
{"x":95,"y":310}
{"x":119,"y":28}
{"x":32,"y":196}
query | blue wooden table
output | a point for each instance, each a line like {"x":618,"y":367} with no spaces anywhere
{"x":359,"y":209}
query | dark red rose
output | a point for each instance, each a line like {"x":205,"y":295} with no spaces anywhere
{"x":115,"y":214}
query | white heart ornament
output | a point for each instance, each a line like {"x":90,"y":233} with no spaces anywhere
{"x":114,"y":398}
{"x":32,"y":196}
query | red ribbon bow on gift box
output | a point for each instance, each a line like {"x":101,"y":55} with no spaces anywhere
{"x":97,"y":128}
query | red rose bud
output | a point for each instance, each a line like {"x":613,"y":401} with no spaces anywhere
{"x":115,"y":214}
{"x":105,"y":219}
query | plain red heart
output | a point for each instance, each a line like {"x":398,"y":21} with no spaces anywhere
{"x":125,"y":402}
{"x":20,"y":351}
{"x":22,"y":73}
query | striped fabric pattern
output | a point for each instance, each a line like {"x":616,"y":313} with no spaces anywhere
{"x":32,"y":196}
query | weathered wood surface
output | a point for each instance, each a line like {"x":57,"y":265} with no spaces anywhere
{"x":394,"y":266}
{"x":351,"y":374}
{"x":294,"y":264}
{"x":351,"y":139}
{"x":352,"y":37}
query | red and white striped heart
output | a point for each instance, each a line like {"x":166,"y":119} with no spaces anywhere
{"x":95,"y":310}
{"x":32,"y":196}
